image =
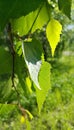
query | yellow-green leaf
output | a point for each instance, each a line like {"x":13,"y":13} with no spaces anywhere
{"x":29,"y":84}
{"x":53,"y":32}
{"x":22,"y":120}
{"x":44,"y":81}
{"x":29,"y":114}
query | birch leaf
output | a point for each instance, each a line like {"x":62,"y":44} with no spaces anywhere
{"x":53,"y":32}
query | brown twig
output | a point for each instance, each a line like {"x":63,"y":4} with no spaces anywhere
{"x":10,"y":36}
{"x":12,"y":51}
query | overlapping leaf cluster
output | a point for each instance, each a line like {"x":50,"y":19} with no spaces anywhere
{"x":25,"y":17}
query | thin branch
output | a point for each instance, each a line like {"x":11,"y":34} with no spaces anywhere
{"x":12,"y":51}
{"x":13,"y":59}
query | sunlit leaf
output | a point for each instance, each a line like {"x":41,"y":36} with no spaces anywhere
{"x":22,"y":120}
{"x":36,"y":18}
{"x":53,"y":32}
{"x":29,"y":84}
{"x":29,"y":114}
{"x":44,"y":81}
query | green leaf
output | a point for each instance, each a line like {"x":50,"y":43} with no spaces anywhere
{"x":53,"y":32}
{"x":44,"y":81}
{"x":36,"y":18}
{"x":32,"y":54}
{"x":18,"y":47}
{"x":20,"y":70}
{"x":65,"y":7}
{"x":28,"y":124}
{"x":16,"y":8}
{"x":5,"y":61}
{"x":6,"y":90}
{"x":6,"y":109}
